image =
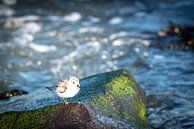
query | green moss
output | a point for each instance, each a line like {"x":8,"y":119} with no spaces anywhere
{"x":121,"y":101}
{"x":26,"y":120}
{"x":141,"y":111}
{"x":122,"y":86}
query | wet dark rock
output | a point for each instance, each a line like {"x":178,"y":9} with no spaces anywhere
{"x":177,"y":37}
{"x":8,"y":94}
{"x":79,"y":116}
{"x":108,"y":100}
{"x":71,"y":115}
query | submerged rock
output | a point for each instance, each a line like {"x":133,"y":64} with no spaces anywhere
{"x":15,"y":92}
{"x":179,"y":37}
{"x":108,"y":100}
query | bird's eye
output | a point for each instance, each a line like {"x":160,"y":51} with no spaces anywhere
{"x":78,"y":85}
{"x":73,"y":82}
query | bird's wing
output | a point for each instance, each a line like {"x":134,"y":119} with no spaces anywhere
{"x":62,"y":87}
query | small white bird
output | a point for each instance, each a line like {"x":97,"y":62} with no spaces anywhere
{"x":68,"y":88}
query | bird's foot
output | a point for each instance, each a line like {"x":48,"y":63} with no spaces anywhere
{"x":65,"y":102}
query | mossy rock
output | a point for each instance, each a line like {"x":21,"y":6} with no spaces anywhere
{"x":113,"y":95}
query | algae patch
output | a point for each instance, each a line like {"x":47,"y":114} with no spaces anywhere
{"x":26,"y":120}
{"x":122,"y":86}
{"x":122,"y":100}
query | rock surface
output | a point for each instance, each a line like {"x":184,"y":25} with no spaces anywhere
{"x":80,"y":116}
{"x":108,"y":100}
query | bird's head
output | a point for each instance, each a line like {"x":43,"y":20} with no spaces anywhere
{"x":74,"y":81}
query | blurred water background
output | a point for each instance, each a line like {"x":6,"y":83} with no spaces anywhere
{"x":42,"y":42}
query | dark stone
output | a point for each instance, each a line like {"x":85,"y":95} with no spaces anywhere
{"x":8,"y":94}
{"x":71,"y":116}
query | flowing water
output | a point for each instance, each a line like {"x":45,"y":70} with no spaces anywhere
{"x":44,"y":42}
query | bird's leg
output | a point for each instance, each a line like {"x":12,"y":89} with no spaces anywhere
{"x":65,"y":101}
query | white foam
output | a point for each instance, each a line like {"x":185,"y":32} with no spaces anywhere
{"x":42,"y":48}
{"x":146,"y":42}
{"x":29,"y":18}
{"x":31,"y":27}
{"x":23,"y":39}
{"x":91,"y":30}
{"x":73,"y":17}
{"x":28,"y":37}
{"x":117,"y":54}
{"x":145,"y":54}
{"x":119,"y":34}
{"x":137,"y":50}
{"x":118,"y":42}
{"x":115,"y":20}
